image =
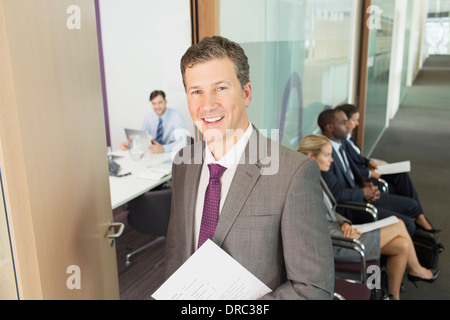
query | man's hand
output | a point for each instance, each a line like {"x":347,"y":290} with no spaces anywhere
{"x":374,"y":174}
{"x":156,"y":148}
{"x":372,"y":165}
{"x":123,"y":146}
{"x":371,"y":192}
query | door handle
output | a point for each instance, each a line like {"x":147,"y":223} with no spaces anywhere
{"x":113,"y":236}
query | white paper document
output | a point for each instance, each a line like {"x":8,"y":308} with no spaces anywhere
{"x":156,"y":173}
{"x":366,"y":227}
{"x":211,"y":274}
{"x":397,"y":167}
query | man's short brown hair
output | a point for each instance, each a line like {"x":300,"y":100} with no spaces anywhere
{"x":217,"y":47}
{"x":156,"y":93}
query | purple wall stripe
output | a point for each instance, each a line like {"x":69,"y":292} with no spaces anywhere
{"x":102,"y":71}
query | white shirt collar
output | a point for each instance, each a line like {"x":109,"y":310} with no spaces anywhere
{"x":232,"y":157}
{"x":336,"y":145}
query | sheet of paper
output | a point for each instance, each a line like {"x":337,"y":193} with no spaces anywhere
{"x":397,"y":167}
{"x":378,"y":161}
{"x":156,"y":173}
{"x":366,"y":227}
{"x":211,"y":274}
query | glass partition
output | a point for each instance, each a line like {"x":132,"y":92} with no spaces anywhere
{"x":408,"y":27}
{"x":301,"y":59}
{"x":380,"y":43}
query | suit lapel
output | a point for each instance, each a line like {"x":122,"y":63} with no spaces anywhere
{"x":245,"y":178}
{"x":351,"y":162}
{"x":341,"y":168}
{"x":192,"y":178}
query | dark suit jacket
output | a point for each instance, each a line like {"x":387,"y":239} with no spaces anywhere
{"x":272,"y":223}
{"x":399,"y":183}
{"x":359,"y":160}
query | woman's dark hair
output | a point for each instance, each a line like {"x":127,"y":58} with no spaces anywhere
{"x":349,"y":109}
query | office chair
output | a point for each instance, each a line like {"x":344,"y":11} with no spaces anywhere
{"x":349,"y":271}
{"x":368,"y":213}
{"x":351,"y":290}
{"x":381,"y":183}
{"x":149,"y":214}
{"x":352,"y":267}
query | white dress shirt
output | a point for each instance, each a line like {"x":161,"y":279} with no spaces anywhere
{"x":230,"y":161}
{"x":357,"y":149}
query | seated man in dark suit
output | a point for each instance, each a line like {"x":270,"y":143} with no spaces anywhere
{"x":346,"y":183}
{"x":399,"y":184}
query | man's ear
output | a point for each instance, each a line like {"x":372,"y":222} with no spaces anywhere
{"x":247,"y":91}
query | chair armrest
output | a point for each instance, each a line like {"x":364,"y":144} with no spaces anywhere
{"x":370,"y":210}
{"x":347,"y":242}
{"x":380,"y":183}
{"x":352,"y":244}
{"x":383,"y":185}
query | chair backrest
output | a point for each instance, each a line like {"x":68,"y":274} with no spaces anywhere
{"x":328,"y":193}
{"x":150,"y":212}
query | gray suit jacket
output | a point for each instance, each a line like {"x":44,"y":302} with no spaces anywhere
{"x":272,"y":222}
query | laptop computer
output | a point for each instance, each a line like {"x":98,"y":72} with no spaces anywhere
{"x":144,"y":137}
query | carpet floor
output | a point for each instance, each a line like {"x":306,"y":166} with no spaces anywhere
{"x":420,"y":132}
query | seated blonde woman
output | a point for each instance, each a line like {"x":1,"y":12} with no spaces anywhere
{"x":393,"y":241}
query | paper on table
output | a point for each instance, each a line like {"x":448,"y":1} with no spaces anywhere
{"x":156,"y":173}
{"x":397,"y":167}
{"x":366,"y":227}
{"x":211,"y":274}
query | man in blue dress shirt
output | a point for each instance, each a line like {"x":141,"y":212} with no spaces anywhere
{"x":165,"y":125}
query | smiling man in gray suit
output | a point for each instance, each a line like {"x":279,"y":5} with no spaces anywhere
{"x":268,"y":212}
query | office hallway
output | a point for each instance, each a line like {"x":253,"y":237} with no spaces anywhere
{"x":420,"y":132}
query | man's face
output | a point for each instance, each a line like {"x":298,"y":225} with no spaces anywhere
{"x":339,"y":125}
{"x":217,"y":102}
{"x":159,"y":105}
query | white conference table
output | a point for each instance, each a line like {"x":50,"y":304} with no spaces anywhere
{"x":126,"y":188}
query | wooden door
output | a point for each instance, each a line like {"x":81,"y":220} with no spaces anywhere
{"x":53,"y":151}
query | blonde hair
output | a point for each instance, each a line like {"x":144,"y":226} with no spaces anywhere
{"x":313,"y":144}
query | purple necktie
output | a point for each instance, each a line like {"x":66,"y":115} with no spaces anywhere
{"x":211,"y":205}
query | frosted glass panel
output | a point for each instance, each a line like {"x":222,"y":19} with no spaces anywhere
{"x":300,"y":54}
{"x":380,"y":43}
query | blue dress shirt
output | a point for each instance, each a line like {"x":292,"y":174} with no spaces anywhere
{"x":173,"y":127}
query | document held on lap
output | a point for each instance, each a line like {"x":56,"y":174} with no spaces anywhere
{"x":211,"y":274}
{"x":397,"y":167}
{"x":366,"y":227}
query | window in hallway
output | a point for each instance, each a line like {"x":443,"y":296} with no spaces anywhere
{"x":438,"y":35}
